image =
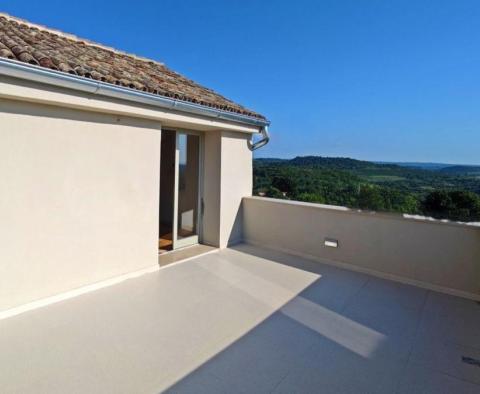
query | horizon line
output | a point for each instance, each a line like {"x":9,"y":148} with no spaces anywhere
{"x":371,"y":161}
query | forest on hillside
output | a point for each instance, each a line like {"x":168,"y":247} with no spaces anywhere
{"x":443,"y":192}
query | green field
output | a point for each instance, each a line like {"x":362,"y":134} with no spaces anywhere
{"x":385,"y":178}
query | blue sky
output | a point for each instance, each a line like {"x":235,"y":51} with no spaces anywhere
{"x":370,"y":79}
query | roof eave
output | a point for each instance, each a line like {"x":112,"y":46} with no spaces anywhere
{"x":17,"y":69}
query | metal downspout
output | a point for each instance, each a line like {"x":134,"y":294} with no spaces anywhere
{"x":262,"y":142}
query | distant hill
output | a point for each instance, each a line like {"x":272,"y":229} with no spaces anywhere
{"x":461,"y":170}
{"x":398,"y":187}
{"x":376,"y":172}
{"x":267,"y":160}
{"x":340,"y":163}
{"x":347,"y":163}
{"x":417,"y":178}
{"x":423,"y":166}
{"x":344,"y":163}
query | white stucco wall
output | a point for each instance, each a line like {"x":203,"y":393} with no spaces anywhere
{"x":236,"y":183}
{"x":228,"y":178}
{"x":440,"y":256}
{"x":211,"y":188}
{"x":78,"y":198}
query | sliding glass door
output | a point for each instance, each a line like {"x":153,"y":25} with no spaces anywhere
{"x":187,"y":189}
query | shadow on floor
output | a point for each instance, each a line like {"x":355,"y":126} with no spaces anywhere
{"x":345,"y":333}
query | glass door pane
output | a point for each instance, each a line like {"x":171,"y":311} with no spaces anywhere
{"x":187,"y":212}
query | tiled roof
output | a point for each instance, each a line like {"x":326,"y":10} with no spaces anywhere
{"x":54,"y":50}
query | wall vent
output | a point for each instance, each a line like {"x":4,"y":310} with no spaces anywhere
{"x":331,"y":243}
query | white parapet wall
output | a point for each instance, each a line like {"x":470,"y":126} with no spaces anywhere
{"x":441,"y":256}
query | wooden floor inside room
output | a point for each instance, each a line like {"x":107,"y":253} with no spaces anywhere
{"x":165,"y":243}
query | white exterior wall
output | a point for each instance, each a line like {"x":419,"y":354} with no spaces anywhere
{"x":79,"y":196}
{"x":78,"y":199}
{"x":431,"y":254}
{"x":228,"y":178}
{"x":236,"y":183}
{"x":211,"y":188}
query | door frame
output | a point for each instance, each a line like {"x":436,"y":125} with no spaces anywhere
{"x":193,"y":239}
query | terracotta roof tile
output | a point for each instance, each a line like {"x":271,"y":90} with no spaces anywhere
{"x":20,"y":40}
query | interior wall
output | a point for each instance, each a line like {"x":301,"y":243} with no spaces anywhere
{"x":78,"y":199}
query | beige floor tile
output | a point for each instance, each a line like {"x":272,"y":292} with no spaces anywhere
{"x":244,"y":320}
{"x":421,"y":380}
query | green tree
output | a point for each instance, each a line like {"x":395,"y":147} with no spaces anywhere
{"x":370,"y":197}
{"x":399,"y":201}
{"x":358,"y":184}
{"x":311,"y":197}
{"x":455,"y":205}
{"x":273,"y":192}
{"x":286,"y":184}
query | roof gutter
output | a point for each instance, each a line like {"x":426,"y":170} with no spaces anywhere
{"x":16,"y":69}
